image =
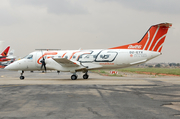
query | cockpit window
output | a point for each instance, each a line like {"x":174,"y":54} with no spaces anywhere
{"x":29,"y":57}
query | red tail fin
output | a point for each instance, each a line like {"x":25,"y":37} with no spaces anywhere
{"x":153,"y":39}
{"x":5,"y":52}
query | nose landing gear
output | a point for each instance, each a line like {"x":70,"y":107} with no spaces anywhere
{"x":22,"y":77}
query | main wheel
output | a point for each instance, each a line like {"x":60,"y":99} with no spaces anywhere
{"x":85,"y":76}
{"x":73,"y":77}
{"x":22,"y":77}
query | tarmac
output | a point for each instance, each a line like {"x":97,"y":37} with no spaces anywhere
{"x":55,"y":96}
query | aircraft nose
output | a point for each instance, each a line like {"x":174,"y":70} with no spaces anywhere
{"x":12,"y":66}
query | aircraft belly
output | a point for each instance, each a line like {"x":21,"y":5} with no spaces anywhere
{"x":93,"y":65}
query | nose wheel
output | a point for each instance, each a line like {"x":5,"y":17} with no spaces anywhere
{"x":22,"y":77}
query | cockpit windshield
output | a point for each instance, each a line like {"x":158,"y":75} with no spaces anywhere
{"x":28,"y":57}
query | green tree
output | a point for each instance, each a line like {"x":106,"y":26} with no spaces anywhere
{"x":158,"y":65}
{"x":150,"y":66}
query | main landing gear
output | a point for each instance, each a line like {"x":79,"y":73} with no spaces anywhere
{"x":85,"y":76}
{"x":74,"y":76}
{"x":22,"y":77}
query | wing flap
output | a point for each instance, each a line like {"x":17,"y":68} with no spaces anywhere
{"x":65,"y":62}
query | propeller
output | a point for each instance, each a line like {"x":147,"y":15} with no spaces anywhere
{"x":43,"y":62}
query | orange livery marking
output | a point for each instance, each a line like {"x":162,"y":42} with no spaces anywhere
{"x":106,"y":63}
{"x":73,"y":54}
{"x":64,"y":54}
{"x":46,"y":53}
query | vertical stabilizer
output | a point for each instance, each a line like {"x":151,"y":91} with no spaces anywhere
{"x":5,"y":52}
{"x":153,"y":39}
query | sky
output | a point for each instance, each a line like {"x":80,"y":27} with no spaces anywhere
{"x":27,"y":25}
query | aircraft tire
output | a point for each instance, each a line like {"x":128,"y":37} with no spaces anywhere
{"x":73,"y":77}
{"x":22,"y":77}
{"x":85,"y":76}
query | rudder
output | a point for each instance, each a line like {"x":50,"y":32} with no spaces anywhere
{"x":155,"y":37}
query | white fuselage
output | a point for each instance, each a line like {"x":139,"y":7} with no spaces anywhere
{"x":85,"y":59}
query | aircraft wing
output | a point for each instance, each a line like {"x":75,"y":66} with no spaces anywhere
{"x":68,"y":65}
{"x":65,"y":62}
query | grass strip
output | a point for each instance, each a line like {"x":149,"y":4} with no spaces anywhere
{"x":154,"y":71}
{"x":170,"y":71}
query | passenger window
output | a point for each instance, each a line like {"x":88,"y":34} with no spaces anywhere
{"x":87,"y":56}
{"x":66,"y":57}
{"x":80,"y":56}
{"x":94,"y":56}
{"x":74,"y":57}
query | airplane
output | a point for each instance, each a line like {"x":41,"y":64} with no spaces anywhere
{"x":73,"y":61}
{"x":4,"y":55}
{"x":9,"y":59}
